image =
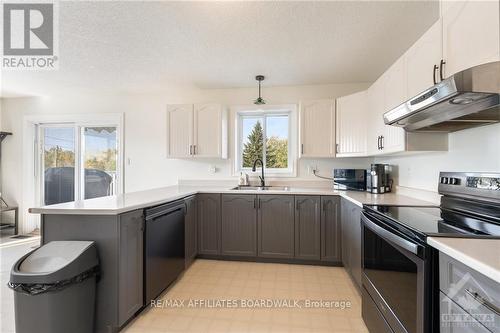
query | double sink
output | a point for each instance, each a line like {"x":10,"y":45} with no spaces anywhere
{"x":261,"y":188}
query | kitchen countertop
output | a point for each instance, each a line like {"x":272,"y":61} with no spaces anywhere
{"x":482,"y":255}
{"x":118,"y":204}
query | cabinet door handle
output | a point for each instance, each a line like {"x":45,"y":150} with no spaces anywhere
{"x":190,"y":149}
{"x":441,"y":68}
{"x":434,"y":74}
{"x":302,"y":148}
{"x":194,"y":149}
{"x":484,"y":302}
{"x":378,"y":142}
{"x":381,"y":142}
{"x":337,"y":148}
{"x":258,"y":203}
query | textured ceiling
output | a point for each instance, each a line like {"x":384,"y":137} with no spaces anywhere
{"x":139,"y":47}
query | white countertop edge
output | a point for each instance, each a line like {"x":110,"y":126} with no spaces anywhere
{"x":108,"y":211}
{"x":480,"y":266}
{"x":139,"y":200}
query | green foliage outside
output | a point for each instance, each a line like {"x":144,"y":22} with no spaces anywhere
{"x":276,"y":149}
{"x":106,"y":161}
{"x":276,"y":153}
{"x":58,"y":157}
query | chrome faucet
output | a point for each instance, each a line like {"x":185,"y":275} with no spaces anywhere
{"x":262,"y":179}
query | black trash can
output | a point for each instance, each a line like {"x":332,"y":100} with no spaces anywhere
{"x":54,"y":288}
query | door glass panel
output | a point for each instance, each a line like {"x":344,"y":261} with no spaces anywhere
{"x":394,"y":276}
{"x":58,"y":164}
{"x":100,"y":160}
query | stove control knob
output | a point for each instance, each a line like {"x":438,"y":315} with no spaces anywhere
{"x":444,"y":180}
{"x":454,"y":181}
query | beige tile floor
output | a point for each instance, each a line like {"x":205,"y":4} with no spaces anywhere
{"x":222,"y":280}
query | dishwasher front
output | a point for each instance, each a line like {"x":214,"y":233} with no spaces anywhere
{"x":163,"y":247}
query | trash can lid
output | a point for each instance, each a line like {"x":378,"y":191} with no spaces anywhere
{"x":53,"y":256}
{"x":55,"y":261}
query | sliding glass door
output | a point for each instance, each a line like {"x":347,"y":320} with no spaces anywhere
{"x":78,"y":162}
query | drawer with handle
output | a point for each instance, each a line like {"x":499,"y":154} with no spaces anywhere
{"x":453,"y":319}
{"x":472,"y":291}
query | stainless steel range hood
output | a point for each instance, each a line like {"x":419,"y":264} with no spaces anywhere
{"x":467,"y":99}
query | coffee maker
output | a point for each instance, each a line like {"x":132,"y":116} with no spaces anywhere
{"x":377,"y":179}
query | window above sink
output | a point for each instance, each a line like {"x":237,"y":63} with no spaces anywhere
{"x":268,"y":133}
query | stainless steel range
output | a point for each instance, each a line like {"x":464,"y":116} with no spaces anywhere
{"x":400,"y":291}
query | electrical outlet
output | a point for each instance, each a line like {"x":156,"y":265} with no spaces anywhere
{"x":311,"y":168}
{"x":212,"y":169}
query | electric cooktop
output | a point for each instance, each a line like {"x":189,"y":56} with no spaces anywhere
{"x":434,"y":221}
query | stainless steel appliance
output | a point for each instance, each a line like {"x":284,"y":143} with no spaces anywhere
{"x":378,"y":180}
{"x":466,"y":99}
{"x":164,"y":247}
{"x":400,"y":292}
{"x":349,"y":179}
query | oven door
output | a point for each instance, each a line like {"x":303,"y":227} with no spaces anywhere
{"x":396,"y":277}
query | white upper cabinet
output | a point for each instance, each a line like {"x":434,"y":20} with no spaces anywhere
{"x":317,"y":128}
{"x":210,"y":131}
{"x":375,"y":123}
{"x":471,"y":34}
{"x":395,"y":89}
{"x":180,"y":130}
{"x":389,"y":91}
{"x":351,"y":124}
{"x":423,"y":59}
{"x":196,"y":131}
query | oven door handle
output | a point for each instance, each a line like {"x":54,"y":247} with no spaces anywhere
{"x":391,"y":237}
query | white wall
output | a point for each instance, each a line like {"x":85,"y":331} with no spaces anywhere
{"x":145,"y":132}
{"x":472,"y":150}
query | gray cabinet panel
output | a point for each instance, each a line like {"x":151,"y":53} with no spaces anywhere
{"x":276,"y":226}
{"x":355,"y":221}
{"x":239,"y":225}
{"x":130,"y":283}
{"x":466,"y":323}
{"x":104,"y":230}
{"x":307,"y":227}
{"x":351,"y":239}
{"x":346,"y":234}
{"x":331,"y":238}
{"x":191,"y":237}
{"x":209,"y":218}
{"x":474,"y":292}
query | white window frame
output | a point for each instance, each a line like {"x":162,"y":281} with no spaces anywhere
{"x":262,"y":111}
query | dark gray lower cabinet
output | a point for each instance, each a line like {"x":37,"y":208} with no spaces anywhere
{"x":331,"y":237}
{"x":351,"y":239}
{"x":276,"y":226}
{"x":209,"y":223}
{"x":130,"y":278}
{"x":307,"y":227}
{"x":119,"y":240}
{"x":239,"y":225}
{"x":191,"y":238}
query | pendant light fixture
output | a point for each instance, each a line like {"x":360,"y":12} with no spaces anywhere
{"x":260,"y":100}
